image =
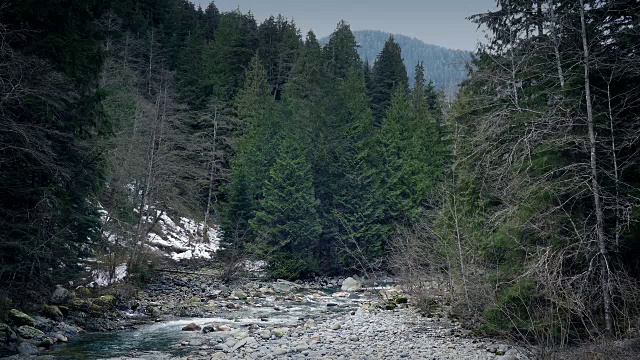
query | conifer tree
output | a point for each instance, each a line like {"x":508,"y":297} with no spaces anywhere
{"x":288,"y":222}
{"x":359,"y":212}
{"x":279,"y":41}
{"x":340,"y":53}
{"x":227,"y":56}
{"x":389,"y":74}
{"x":254,"y":151}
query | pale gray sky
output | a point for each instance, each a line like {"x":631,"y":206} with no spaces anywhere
{"x":438,"y":22}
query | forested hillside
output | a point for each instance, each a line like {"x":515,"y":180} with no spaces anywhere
{"x":445,"y":67}
{"x":520,"y":195}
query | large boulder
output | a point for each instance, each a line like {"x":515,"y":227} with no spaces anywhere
{"x":52,"y":312}
{"x":29,"y":332}
{"x":106,"y":301}
{"x":284,"y":286}
{"x":20,"y":318}
{"x":351,"y":284}
{"x":60,"y":296}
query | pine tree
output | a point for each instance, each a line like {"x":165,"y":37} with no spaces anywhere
{"x":389,"y":74}
{"x":288,"y":222}
{"x":279,"y":44}
{"x":340,"y":53}
{"x":359,"y":212}
{"x":228,"y":55}
{"x":393,"y":140}
{"x":254,"y":151}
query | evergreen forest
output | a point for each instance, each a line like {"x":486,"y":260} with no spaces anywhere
{"x":516,"y":182}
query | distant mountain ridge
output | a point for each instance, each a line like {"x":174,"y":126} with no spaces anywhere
{"x":445,"y":67}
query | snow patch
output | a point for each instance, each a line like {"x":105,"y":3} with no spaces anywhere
{"x":103,"y":278}
{"x":184,"y":239}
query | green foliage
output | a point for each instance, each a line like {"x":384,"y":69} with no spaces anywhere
{"x":389,"y":75}
{"x":52,"y":53}
{"x":444,"y":67}
{"x":340,"y":52}
{"x":279,"y":46}
{"x":227,"y":56}
{"x":288,"y":221}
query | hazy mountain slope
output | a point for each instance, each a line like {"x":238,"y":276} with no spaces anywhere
{"x":446,"y":67}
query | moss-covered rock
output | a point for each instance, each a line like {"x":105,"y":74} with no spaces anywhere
{"x":20,"y":318}
{"x":278,"y":332}
{"x":106,"y":301}
{"x":29,"y":332}
{"x":83,"y":292}
{"x":195,"y":299}
{"x":401,"y":299}
{"x":95,"y":308}
{"x":79,"y":304}
{"x":390,"y":305}
{"x":52,"y":312}
{"x":240,"y":295}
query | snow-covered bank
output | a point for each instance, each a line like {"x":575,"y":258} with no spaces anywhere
{"x":184,"y":239}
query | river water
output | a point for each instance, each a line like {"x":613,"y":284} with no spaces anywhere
{"x":164,"y":338}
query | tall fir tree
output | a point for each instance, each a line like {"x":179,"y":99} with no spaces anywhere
{"x":287,"y":223}
{"x":340,"y":52}
{"x":254,"y":149}
{"x":280,"y":42}
{"x":389,"y":74}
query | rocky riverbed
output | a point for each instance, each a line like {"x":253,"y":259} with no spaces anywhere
{"x":191,"y":316}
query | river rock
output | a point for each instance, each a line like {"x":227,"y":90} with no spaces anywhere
{"x":511,"y":354}
{"x":26,"y":348}
{"x":221,"y":347}
{"x":240,"y":294}
{"x":284,"y":286}
{"x":192,"y":327}
{"x":29,"y":332}
{"x":336,"y":326}
{"x":279,"y":332}
{"x":20,"y":318}
{"x":309,"y":324}
{"x":351,"y":284}
{"x":241,"y":335}
{"x":60,"y":296}
{"x":265,"y":334}
{"x":239,"y":344}
{"x":7,"y":334}
{"x":208,"y":329}
{"x":52,"y":312}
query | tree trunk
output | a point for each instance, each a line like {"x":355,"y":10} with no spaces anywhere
{"x":205,"y":230}
{"x":604,"y":273}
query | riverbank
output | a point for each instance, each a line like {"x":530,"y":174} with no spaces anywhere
{"x":260,"y":319}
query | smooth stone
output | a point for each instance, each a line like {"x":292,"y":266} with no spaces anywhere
{"x":192,"y":327}
{"x":265,"y":334}
{"x":239,"y":344}
{"x":279,"y":332}
{"x":350,"y":284}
